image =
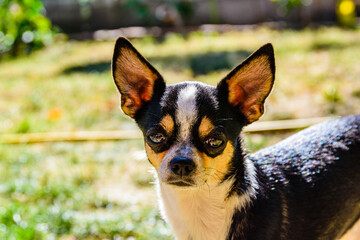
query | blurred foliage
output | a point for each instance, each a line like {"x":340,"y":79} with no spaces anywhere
{"x":289,"y":5}
{"x":166,"y":11}
{"x":345,"y":10}
{"x":23,"y":26}
{"x":332,"y":94}
{"x":346,"y":13}
{"x":140,"y":7}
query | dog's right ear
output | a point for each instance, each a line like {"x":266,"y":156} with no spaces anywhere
{"x":134,"y":77}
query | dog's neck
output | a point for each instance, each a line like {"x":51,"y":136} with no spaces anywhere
{"x":204,"y":212}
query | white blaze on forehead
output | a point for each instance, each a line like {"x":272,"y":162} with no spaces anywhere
{"x":186,"y":112}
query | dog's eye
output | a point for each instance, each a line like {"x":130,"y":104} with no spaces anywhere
{"x":157,"y":138}
{"x":214,"y":142}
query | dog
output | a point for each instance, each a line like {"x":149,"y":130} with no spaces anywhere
{"x":304,"y":188}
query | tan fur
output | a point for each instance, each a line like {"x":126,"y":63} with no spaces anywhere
{"x":249,"y":87}
{"x":217,"y":167}
{"x":154,"y":158}
{"x":205,"y":127}
{"x":168,"y":124}
{"x":353,"y":233}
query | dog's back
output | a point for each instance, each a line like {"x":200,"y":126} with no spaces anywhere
{"x":315,"y":174}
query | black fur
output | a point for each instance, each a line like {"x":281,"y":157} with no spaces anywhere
{"x":309,"y":185}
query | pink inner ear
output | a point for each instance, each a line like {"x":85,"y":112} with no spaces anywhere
{"x":135,"y":95}
{"x":237,"y":95}
{"x":135,"y":99}
{"x":146,"y":91}
{"x":248,"y":105}
{"x":240,"y":98}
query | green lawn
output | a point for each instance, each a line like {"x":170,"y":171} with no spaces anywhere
{"x":101,"y":190}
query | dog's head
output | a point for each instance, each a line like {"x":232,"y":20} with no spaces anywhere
{"x":191,"y":129}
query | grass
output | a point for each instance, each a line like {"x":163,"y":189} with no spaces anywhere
{"x":101,"y":190}
{"x":62,"y":191}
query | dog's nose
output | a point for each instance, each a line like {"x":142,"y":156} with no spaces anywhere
{"x":182,"y":166}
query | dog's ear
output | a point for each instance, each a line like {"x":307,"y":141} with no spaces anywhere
{"x":134,"y":77}
{"x":248,"y":85}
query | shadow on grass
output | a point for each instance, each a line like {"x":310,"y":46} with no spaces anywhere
{"x":199,"y":64}
{"x":99,"y":67}
{"x":331,"y":45}
{"x":204,"y":63}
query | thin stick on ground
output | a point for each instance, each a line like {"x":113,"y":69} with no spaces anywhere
{"x":77,"y":136}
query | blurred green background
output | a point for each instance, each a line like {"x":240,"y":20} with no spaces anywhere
{"x":104,"y":190}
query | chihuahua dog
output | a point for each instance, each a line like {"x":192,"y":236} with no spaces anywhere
{"x":306,"y":187}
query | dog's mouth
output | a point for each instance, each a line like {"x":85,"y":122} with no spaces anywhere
{"x":181,"y":182}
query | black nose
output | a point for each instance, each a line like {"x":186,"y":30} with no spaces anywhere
{"x":182,"y":166}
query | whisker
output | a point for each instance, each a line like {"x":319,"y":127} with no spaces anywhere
{"x":216,"y":170}
{"x":154,"y":115}
{"x":224,"y":119}
{"x":208,"y":187}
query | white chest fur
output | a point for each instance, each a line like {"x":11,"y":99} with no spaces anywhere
{"x":199,"y":213}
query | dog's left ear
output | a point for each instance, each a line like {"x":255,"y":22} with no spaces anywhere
{"x":134,"y":77}
{"x":248,"y":85}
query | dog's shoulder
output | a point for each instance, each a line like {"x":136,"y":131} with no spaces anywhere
{"x":311,"y":173}
{"x":312,"y":152}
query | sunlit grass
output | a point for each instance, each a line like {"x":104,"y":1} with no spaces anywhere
{"x":86,"y":190}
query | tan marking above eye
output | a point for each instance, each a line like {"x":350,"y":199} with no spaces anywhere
{"x":168,"y":124}
{"x":205,"y":127}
